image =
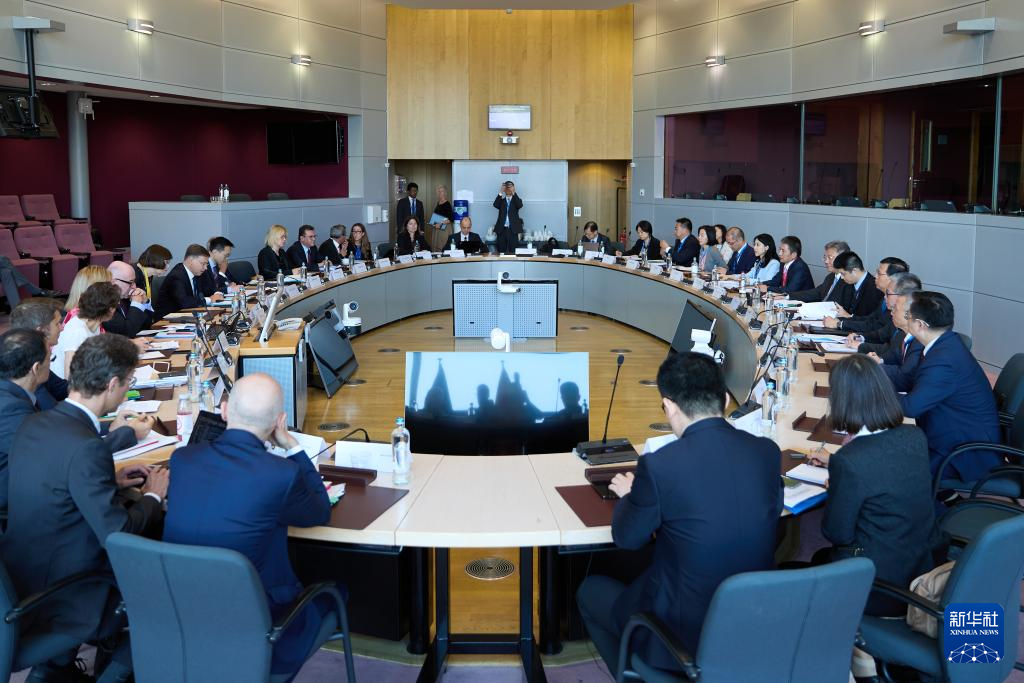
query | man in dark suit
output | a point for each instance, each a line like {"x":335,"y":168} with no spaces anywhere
{"x":216,"y":277}
{"x":948,"y":395}
{"x":742,"y":259}
{"x":863,"y":296}
{"x":795,"y":275}
{"x":686,"y":248}
{"x":232,"y":493}
{"x":465,"y":238}
{"x":879,"y":317}
{"x":332,"y":247}
{"x":702,"y":536}
{"x":44,"y":315}
{"x":508,"y":226}
{"x":66,"y":502}
{"x":24,"y":367}
{"x":889,"y":337}
{"x":832,"y":287}
{"x":304,"y":252}
{"x":410,"y":207}
{"x":134,"y":312}
{"x":183,"y":286}
{"x":592,"y":235}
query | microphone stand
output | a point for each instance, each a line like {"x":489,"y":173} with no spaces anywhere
{"x":607,"y":450}
{"x":750,"y":404}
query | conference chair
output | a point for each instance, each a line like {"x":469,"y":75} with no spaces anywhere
{"x":192,"y":198}
{"x":11,"y":215}
{"x":1009,"y":387}
{"x":744,"y":197}
{"x":17,"y":652}
{"x":76,"y":238}
{"x":277,"y":196}
{"x":200,"y":613}
{"x":241,"y":271}
{"x":37,"y":242}
{"x":155,"y":283}
{"x":988,"y":570}
{"x":940,"y":205}
{"x":616,"y":246}
{"x":26,"y":266}
{"x":796,"y":625}
{"x":42,"y":207}
{"x":240,"y":197}
{"x":966,"y":339}
{"x":849,"y":201}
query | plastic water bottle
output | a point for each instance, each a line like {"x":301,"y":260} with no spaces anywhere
{"x":261,"y":289}
{"x":400,"y":453}
{"x":782,"y":383}
{"x":227,"y":193}
{"x":280,"y":280}
{"x":302,"y":273}
{"x":792,"y":358}
{"x":195,"y":377}
{"x":207,"y":399}
{"x":768,"y":408}
{"x":183,"y":423}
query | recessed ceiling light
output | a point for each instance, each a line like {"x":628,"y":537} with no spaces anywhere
{"x":871,"y":26}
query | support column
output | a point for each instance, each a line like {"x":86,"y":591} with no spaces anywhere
{"x":78,"y":158}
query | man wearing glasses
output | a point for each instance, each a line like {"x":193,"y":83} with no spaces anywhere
{"x":134,"y":312}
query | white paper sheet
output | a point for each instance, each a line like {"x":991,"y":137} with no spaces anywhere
{"x":151,"y":442}
{"x":809,"y":474}
{"x":370,"y":456}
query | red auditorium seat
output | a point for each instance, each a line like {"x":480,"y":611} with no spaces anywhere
{"x":38,"y":242}
{"x":10,"y":212}
{"x":76,"y":238}
{"x":42,"y":207}
{"x":28,"y":267}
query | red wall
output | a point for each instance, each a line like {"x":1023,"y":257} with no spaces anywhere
{"x":151,"y":151}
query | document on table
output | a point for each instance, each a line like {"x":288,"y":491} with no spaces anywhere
{"x":809,"y":473}
{"x":312,"y":445}
{"x":152,"y":355}
{"x":367,"y":456}
{"x":140,"y":406}
{"x":655,"y":442}
{"x":151,"y":442}
{"x":820,"y":338}
{"x":817,"y":310}
{"x":798,"y":498}
{"x":145,"y":373}
{"x":164,"y":345}
{"x":749,"y":423}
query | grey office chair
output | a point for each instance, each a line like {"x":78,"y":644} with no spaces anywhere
{"x":240,"y":197}
{"x":277,"y":196}
{"x":193,"y":198}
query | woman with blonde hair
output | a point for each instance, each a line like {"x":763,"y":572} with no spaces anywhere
{"x":442,"y":218}
{"x":87,"y":276}
{"x":273,"y":258}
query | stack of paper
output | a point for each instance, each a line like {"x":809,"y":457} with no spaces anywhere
{"x":798,"y":498}
{"x":655,"y":442}
{"x":809,"y":474}
{"x":140,"y":406}
{"x":150,"y":443}
{"x":817,"y":310}
{"x":836,"y":347}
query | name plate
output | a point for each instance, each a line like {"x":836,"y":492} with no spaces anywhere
{"x":313,"y":281}
{"x":526,"y":251}
{"x":657,"y":270}
{"x":291,"y":291}
{"x":735,"y":304}
{"x":698,"y":283}
{"x":382,"y":263}
{"x":608,"y":259}
{"x":405,"y":258}
{"x":335,"y":273}
{"x":425,"y":255}
{"x":222,"y":339}
{"x":358,"y":267}
{"x":632,"y":264}
{"x":675,"y":275}
{"x":456,"y":253}
{"x":591,"y":255}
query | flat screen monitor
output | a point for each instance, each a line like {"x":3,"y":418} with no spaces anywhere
{"x":692,"y":318}
{"x":508,"y":117}
{"x":495,"y":403}
{"x":304,"y":142}
{"x":268,"y":323}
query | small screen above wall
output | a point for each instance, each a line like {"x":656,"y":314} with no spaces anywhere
{"x":508,"y":117}
{"x":304,"y":143}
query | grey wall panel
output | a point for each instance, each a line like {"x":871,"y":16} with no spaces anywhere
{"x":408,"y":292}
{"x":963,"y":306}
{"x":570,"y":281}
{"x":998,"y":253}
{"x":939,"y":253}
{"x":166,"y":58}
{"x":442,"y":274}
{"x":999,"y":329}
{"x":286,"y":7}
{"x":685,"y":47}
{"x":754,"y":32}
{"x":832,"y":63}
{"x":515,"y":268}
{"x":89,"y":44}
{"x":645,"y":55}
{"x":919,"y":46}
{"x":817,"y":20}
{"x":346,"y":14}
{"x":197,"y":19}
{"x":645,"y":18}
{"x":260,"y":31}
{"x":673,"y":14}
{"x":815,"y":229}
{"x":371,"y":294}
{"x":654,"y":306}
{"x":604,"y":293}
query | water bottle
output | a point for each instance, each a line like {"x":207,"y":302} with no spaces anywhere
{"x":792,"y":358}
{"x":693,"y":268}
{"x":220,"y":192}
{"x":207,"y":400}
{"x":280,"y":280}
{"x":768,"y":408}
{"x":183,"y":423}
{"x":782,"y":383}
{"x":302,"y":275}
{"x":400,"y":454}
{"x":195,"y":377}
{"x":261,"y":289}
{"x":714,"y":278}
{"x":227,"y":193}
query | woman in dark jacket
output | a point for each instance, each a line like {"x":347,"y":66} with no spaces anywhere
{"x":411,"y":239}
{"x":645,"y":243}
{"x":880,"y":501}
{"x":273,"y":258}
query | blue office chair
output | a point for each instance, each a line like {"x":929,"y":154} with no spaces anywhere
{"x":1000,"y":481}
{"x":18,"y":653}
{"x":1009,"y":387}
{"x":199,"y":613}
{"x":988,"y":570}
{"x":796,"y":625}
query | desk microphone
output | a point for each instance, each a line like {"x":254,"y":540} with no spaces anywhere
{"x":750,"y":404}
{"x":608,"y":451}
{"x":576,"y":238}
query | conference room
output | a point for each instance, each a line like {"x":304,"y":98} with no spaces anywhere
{"x":474,"y":341}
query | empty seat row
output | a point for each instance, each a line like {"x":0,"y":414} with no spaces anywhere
{"x":32,"y":210}
{"x":50,"y":257}
{"x":235,"y":197}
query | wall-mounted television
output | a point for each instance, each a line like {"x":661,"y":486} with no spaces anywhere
{"x":304,"y":142}
{"x":508,"y":117}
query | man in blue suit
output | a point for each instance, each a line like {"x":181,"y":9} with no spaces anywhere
{"x":685,"y":494}
{"x":795,"y":275}
{"x":686,"y":248}
{"x":233,"y":493}
{"x":742,"y":259}
{"x":24,"y":367}
{"x":46,"y":316}
{"x":948,"y":395}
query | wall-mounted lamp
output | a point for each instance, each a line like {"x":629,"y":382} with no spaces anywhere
{"x":302,"y":60}
{"x":714,"y":60}
{"x":971,"y":27}
{"x":871,"y":27}
{"x":143,"y":26}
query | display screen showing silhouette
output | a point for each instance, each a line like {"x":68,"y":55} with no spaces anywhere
{"x":497,"y":403}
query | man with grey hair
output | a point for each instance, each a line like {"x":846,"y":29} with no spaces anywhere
{"x":333,"y":247}
{"x":234,"y":493}
{"x":901,"y":353}
{"x":832,"y":288}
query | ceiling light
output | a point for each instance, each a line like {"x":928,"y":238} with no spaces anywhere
{"x":143,"y":26}
{"x":302,"y":60}
{"x":871,"y":27}
{"x":714,"y":60}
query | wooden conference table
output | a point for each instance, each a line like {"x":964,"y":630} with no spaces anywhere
{"x":512,"y":501}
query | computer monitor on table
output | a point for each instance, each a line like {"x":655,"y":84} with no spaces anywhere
{"x":494,"y":403}
{"x":693,"y":317}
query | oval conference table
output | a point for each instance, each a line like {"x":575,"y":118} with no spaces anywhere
{"x":513,"y":501}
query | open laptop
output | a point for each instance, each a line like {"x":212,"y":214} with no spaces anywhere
{"x":208,"y":427}
{"x":591,"y":246}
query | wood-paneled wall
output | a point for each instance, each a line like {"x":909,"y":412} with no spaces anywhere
{"x":593,"y":186}
{"x":573,"y":67}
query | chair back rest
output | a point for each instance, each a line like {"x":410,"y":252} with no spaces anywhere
{"x":155,"y":283}
{"x":7,"y":247}
{"x":75,"y":237}
{"x":1016,"y":436}
{"x":793,"y":625}
{"x":36,"y":240}
{"x":989,"y":570}
{"x":193,"y":198}
{"x":8,"y":632}
{"x":10,"y":209}
{"x":40,"y":207}
{"x":241,"y":271}
{"x":966,"y":339}
{"x":1009,"y":388}
{"x":277,"y":196}
{"x":240,"y":197}
{"x":195,"y":613}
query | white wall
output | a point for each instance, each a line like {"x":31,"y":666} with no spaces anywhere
{"x":797,"y":50}
{"x":543,"y":186}
{"x":238,"y":51}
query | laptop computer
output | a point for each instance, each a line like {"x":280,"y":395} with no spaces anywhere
{"x":591,"y":246}
{"x":208,"y":427}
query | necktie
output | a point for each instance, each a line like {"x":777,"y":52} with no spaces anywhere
{"x":508,"y":208}
{"x":412,"y":206}
{"x":785,"y":274}
{"x":906,"y":346}
{"x":195,"y":289}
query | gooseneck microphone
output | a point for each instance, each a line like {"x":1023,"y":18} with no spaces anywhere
{"x":615,"y":383}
